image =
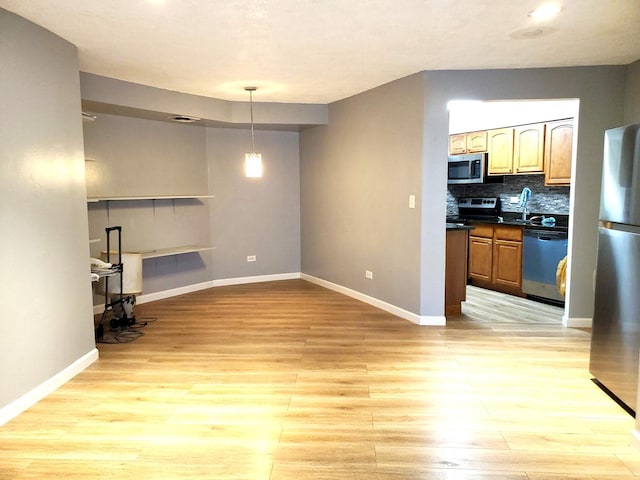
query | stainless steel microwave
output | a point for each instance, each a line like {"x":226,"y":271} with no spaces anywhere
{"x":468,"y":168}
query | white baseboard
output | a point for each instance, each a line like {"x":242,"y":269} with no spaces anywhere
{"x":382,"y":305}
{"x":152,"y":297}
{"x":173,"y":292}
{"x":577,"y":322}
{"x":32,"y":397}
{"x":387,"y":307}
{"x":256,"y":279}
{"x":635,"y":441}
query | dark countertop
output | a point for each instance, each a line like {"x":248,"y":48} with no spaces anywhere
{"x":528,"y":225}
{"x":562,"y":222}
{"x":459,"y":226}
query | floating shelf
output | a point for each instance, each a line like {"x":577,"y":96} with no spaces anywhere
{"x":94,"y":240}
{"x":166,"y":252}
{"x":154,"y":197}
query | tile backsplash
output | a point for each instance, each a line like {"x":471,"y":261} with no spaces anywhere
{"x":543,"y":199}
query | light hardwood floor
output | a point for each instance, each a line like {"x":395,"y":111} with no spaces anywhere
{"x":287,"y":380}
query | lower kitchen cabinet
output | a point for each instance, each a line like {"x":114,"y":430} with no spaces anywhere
{"x":481,"y":252}
{"x":495,"y":257}
{"x":455,"y":287}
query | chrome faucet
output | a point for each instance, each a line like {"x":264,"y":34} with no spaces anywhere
{"x":525,"y":197}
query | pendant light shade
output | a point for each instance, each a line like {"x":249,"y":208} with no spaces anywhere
{"x":253,"y":164}
{"x":253,"y":160}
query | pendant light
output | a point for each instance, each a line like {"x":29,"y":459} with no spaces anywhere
{"x":253,"y":160}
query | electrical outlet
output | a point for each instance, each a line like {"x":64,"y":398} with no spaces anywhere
{"x":368,"y":274}
{"x":251,"y":258}
{"x":514,"y":199}
{"x":412,"y":201}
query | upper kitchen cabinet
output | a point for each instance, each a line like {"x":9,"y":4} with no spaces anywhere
{"x":457,"y":144}
{"x":477,"y":142}
{"x":473,"y":142}
{"x":528,"y":149}
{"x":500,"y":148}
{"x":558,"y":152}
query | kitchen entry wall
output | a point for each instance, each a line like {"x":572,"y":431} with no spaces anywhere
{"x":544,"y":199}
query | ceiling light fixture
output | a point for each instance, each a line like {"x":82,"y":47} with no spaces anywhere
{"x":546,"y":11}
{"x":253,"y":160}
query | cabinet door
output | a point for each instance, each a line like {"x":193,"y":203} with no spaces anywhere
{"x":507,"y":263}
{"x":480,"y":258}
{"x":528,"y":149}
{"x":558,"y":151}
{"x":477,"y":142}
{"x":457,"y":144}
{"x":500,"y":147}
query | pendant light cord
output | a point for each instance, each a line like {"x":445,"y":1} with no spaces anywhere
{"x":253,"y":146}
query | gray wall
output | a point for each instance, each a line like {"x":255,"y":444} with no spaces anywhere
{"x":140,"y":157}
{"x":599,"y":90}
{"x":356,"y":177}
{"x":47,"y":321}
{"x":135,"y":157}
{"x":632,"y":94}
{"x":254,"y":216}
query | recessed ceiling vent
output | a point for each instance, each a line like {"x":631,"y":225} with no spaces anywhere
{"x":531,"y":33}
{"x":184,"y":119}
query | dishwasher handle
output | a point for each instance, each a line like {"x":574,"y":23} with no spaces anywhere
{"x":545,"y":235}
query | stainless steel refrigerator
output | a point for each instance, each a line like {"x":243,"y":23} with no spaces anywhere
{"x":615,"y":341}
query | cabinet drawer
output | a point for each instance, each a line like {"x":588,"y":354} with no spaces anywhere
{"x":507,"y":232}
{"x":483,"y":230}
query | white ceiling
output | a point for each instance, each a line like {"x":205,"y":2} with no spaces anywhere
{"x":319,"y":51}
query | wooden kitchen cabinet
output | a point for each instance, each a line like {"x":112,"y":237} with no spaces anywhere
{"x":477,"y":142}
{"x":500,"y":148}
{"x":495,"y":257}
{"x":528,"y":148}
{"x":558,"y":152}
{"x":507,"y":256}
{"x":480,"y":258}
{"x":455,"y":287}
{"x":474,"y":142}
{"x":481,"y":252}
{"x":457,"y":144}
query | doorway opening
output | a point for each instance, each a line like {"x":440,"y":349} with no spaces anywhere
{"x":520,"y":142}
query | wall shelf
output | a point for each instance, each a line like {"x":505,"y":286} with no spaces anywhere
{"x":153,"y":197}
{"x":166,"y":252}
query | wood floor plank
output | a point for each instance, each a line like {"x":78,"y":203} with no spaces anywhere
{"x":287,"y":380}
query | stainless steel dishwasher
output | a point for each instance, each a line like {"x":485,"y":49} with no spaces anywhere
{"x":542,"y":250}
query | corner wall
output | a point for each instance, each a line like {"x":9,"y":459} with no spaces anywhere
{"x":384,"y":144}
{"x":632,"y":94}
{"x":600,"y":91}
{"x":47,"y":319}
{"x":254,"y":216}
{"x":356,"y":175}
